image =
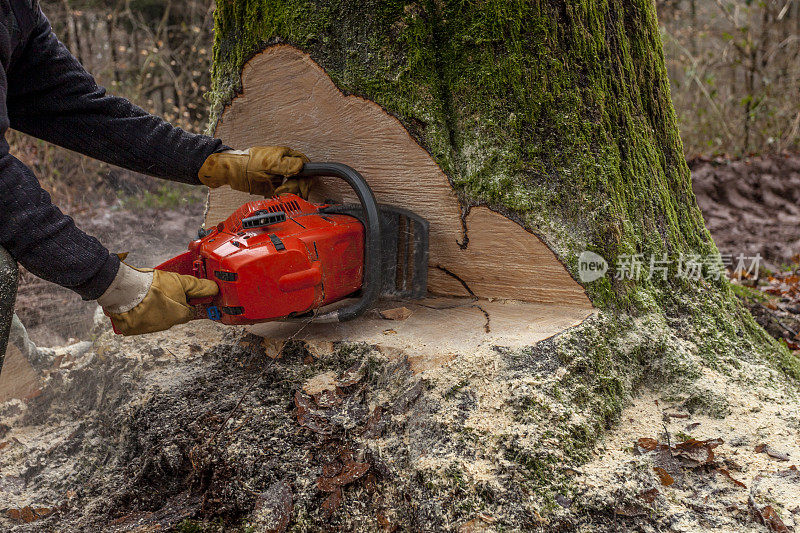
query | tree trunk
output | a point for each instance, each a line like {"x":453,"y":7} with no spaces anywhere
{"x":528,"y":133}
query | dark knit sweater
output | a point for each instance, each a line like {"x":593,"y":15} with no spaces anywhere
{"x":45,"y":92}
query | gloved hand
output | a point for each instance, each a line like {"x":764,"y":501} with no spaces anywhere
{"x":145,"y":300}
{"x":259,"y":170}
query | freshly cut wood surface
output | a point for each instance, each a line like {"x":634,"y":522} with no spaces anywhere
{"x":288,"y":99}
{"x":437,"y":329}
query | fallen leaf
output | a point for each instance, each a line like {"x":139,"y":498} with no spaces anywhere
{"x":397,"y":313}
{"x":308,"y":419}
{"x":351,"y":376}
{"x":327,"y":399}
{"x":677,"y":415}
{"x":274,"y":508}
{"x":771,"y":519}
{"x":331,"y":469}
{"x":28,"y":514}
{"x":664,"y":476}
{"x":725,"y":472}
{"x":331,"y":503}
{"x":649,"y":495}
{"x":386,"y":524}
{"x":350,"y":473}
{"x":646,"y":443}
{"x":775,"y":454}
{"x":698,"y":451}
{"x":630,"y":510}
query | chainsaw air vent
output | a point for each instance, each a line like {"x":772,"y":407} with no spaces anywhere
{"x":290,"y":205}
{"x":262,"y":218}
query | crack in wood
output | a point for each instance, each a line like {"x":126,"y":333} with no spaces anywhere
{"x":465,"y":232}
{"x":486,"y":327}
{"x":455,"y":276}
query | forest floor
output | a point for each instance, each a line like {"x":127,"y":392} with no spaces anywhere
{"x":118,"y":431}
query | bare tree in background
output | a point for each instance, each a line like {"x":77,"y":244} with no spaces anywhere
{"x":735,"y":73}
{"x":157,"y":53}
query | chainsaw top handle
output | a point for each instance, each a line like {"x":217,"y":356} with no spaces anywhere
{"x":371,"y":284}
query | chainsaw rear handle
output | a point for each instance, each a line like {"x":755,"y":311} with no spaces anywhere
{"x":371,"y":284}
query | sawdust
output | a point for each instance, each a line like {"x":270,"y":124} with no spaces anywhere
{"x":762,"y":407}
{"x":320,"y":383}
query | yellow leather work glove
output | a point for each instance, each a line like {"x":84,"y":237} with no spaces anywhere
{"x":259,"y":170}
{"x":165,"y":302}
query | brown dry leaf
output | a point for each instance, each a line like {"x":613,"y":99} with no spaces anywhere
{"x":698,"y":451}
{"x":677,"y":415}
{"x":386,"y":524}
{"x":28,"y":514}
{"x":630,"y":510}
{"x":725,"y":472}
{"x":350,"y":472}
{"x":664,"y":476}
{"x":771,"y":519}
{"x":775,"y":454}
{"x":649,"y":495}
{"x":275,"y":507}
{"x":306,"y":418}
{"x":327,"y":399}
{"x":331,"y":503}
{"x":331,"y":469}
{"x":646,"y":443}
{"x":397,"y":313}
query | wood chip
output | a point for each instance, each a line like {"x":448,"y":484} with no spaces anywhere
{"x":320,"y":383}
{"x":771,"y":519}
{"x":397,"y":313}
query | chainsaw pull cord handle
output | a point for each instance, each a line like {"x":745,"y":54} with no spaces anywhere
{"x":371,"y":284}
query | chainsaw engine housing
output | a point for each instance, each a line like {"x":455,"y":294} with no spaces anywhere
{"x":276,"y":258}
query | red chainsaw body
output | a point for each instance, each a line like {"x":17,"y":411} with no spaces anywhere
{"x":287,"y":268}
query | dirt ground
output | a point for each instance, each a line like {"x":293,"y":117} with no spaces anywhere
{"x":54,"y":315}
{"x":752,"y":206}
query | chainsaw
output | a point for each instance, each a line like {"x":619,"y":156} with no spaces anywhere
{"x":285,"y":258}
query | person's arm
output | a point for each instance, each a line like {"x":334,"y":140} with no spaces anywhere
{"x":43,"y":239}
{"x":52,"y":97}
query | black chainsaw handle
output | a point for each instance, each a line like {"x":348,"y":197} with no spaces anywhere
{"x":371,"y":284}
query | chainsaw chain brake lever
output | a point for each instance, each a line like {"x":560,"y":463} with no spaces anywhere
{"x":371,"y":284}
